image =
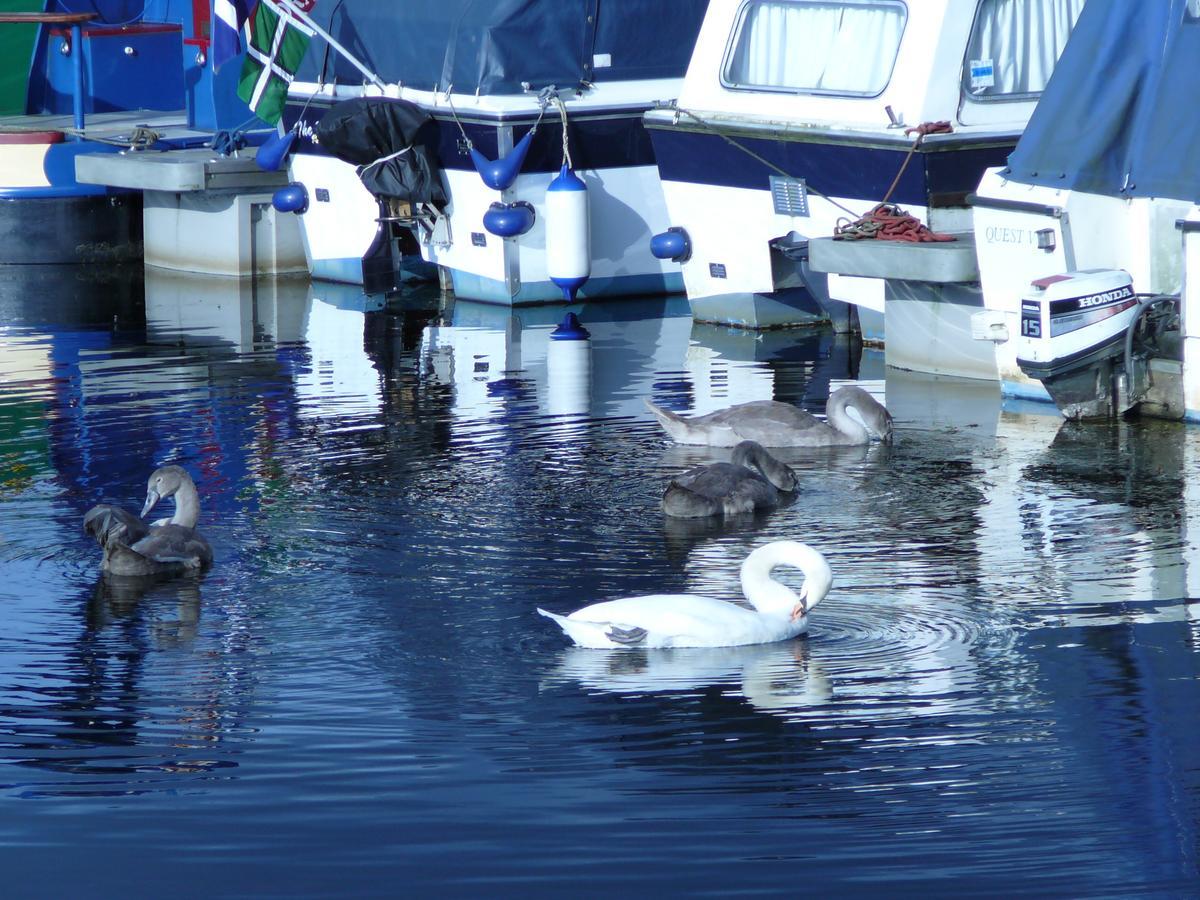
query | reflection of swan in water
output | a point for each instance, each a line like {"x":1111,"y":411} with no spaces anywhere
{"x":751,"y":480}
{"x":852,"y":417}
{"x":774,"y":678}
{"x":131,"y":547}
{"x":683,"y":536}
{"x":117,"y":598}
{"x":688,"y":620}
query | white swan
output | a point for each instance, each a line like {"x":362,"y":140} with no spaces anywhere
{"x":687,"y":620}
{"x":775,"y":424}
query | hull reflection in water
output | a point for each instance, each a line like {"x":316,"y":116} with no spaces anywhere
{"x":240,"y":314}
{"x":1000,"y":688}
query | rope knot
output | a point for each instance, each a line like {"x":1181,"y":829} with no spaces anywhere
{"x":942,"y":127}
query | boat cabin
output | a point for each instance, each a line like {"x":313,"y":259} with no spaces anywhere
{"x":796,"y":116}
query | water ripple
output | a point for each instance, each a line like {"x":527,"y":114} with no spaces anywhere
{"x":993,"y":690}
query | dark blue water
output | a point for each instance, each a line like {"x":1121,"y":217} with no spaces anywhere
{"x":999,"y":695}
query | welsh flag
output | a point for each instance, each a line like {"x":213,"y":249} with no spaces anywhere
{"x":275,"y":45}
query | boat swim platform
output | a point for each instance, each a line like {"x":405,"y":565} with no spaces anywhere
{"x":179,"y":171}
{"x":938,"y":262}
{"x":203,"y":212}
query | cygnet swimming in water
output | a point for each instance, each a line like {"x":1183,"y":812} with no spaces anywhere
{"x":689,"y":620}
{"x":751,"y":480}
{"x":852,"y":417}
{"x":133,"y":547}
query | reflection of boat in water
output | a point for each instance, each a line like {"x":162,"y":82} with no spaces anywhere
{"x":240,"y":314}
{"x":315,"y":331}
{"x":636,"y":349}
{"x":1102,"y":513}
{"x":927,"y":401}
{"x":495,"y":355}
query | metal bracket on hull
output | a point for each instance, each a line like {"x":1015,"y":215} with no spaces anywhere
{"x":512,"y":253}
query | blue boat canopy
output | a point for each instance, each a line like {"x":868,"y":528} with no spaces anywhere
{"x":493,"y":46}
{"x":1119,"y":115}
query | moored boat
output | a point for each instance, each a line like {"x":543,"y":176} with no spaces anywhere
{"x":508,"y":98}
{"x":124,"y":76}
{"x":1088,"y":240}
{"x":797,"y":117}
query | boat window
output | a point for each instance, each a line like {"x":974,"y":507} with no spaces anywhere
{"x":815,"y":46}
{"x":1191,"y":12}
{"x":1014,"y":45}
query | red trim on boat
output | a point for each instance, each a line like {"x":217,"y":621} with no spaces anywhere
{"x":117,"y":31}
{"x":1049,"y":280}
{"x":31,"y":137}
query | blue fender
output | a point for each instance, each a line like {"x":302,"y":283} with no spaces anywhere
{"x":274,"y":151}
{"x":673,"y":244}
{"x":291,"y":198}
{"x":500,"y":174}
{"x":509,"y":219}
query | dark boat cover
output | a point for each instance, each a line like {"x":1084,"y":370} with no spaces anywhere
{"x":392,"y":142}
{"x":1119,"y":116}
{"x":493,"y":46}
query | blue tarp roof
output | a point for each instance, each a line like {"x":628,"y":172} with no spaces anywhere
{"x":494,"y":45}
{"x":1120,"y":115}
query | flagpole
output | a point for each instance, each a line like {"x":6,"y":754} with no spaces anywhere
{"x":302,"y":16}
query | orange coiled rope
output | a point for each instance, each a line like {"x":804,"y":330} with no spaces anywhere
{"x":887,"y":221}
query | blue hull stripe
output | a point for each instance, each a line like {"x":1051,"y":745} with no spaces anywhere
{"x":834,"y":170}
{"x":596,"y":143}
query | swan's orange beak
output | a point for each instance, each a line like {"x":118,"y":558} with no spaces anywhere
{"x":798,"y":611}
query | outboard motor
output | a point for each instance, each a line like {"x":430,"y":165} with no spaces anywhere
{"x":1099,"y":348}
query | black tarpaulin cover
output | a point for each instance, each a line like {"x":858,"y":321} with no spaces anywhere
{"x":394,"y":144}
{"x":1119,"y":116}
{"x":493,"y":46}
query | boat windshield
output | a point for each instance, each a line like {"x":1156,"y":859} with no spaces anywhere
{"x":815,"y":46}
{"x":1014,"y":46}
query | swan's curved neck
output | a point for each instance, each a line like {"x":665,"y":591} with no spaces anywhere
{"x":771,"y":597}
{"x":753,"y":456}
{"x":187,"y":506}
{"x":840,"y":420}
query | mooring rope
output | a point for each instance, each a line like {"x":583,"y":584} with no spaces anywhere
{"x":562,"y":109}
{"x":887,"y":221}
{"x":766,"y":162}
{"x":884,"y":221}
{"x":543,"y":101}
{"x":923,"y":129}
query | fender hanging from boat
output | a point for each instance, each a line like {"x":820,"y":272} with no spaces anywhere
{"x":509,"y":219}
{"x":499,"y":174}
{"x":274,"y":150}
{"x":291,"y":198}
{"x":568,"y":238}
{"x":674,"y":244}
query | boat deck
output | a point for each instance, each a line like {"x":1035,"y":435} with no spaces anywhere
{"x":109,"y":126}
